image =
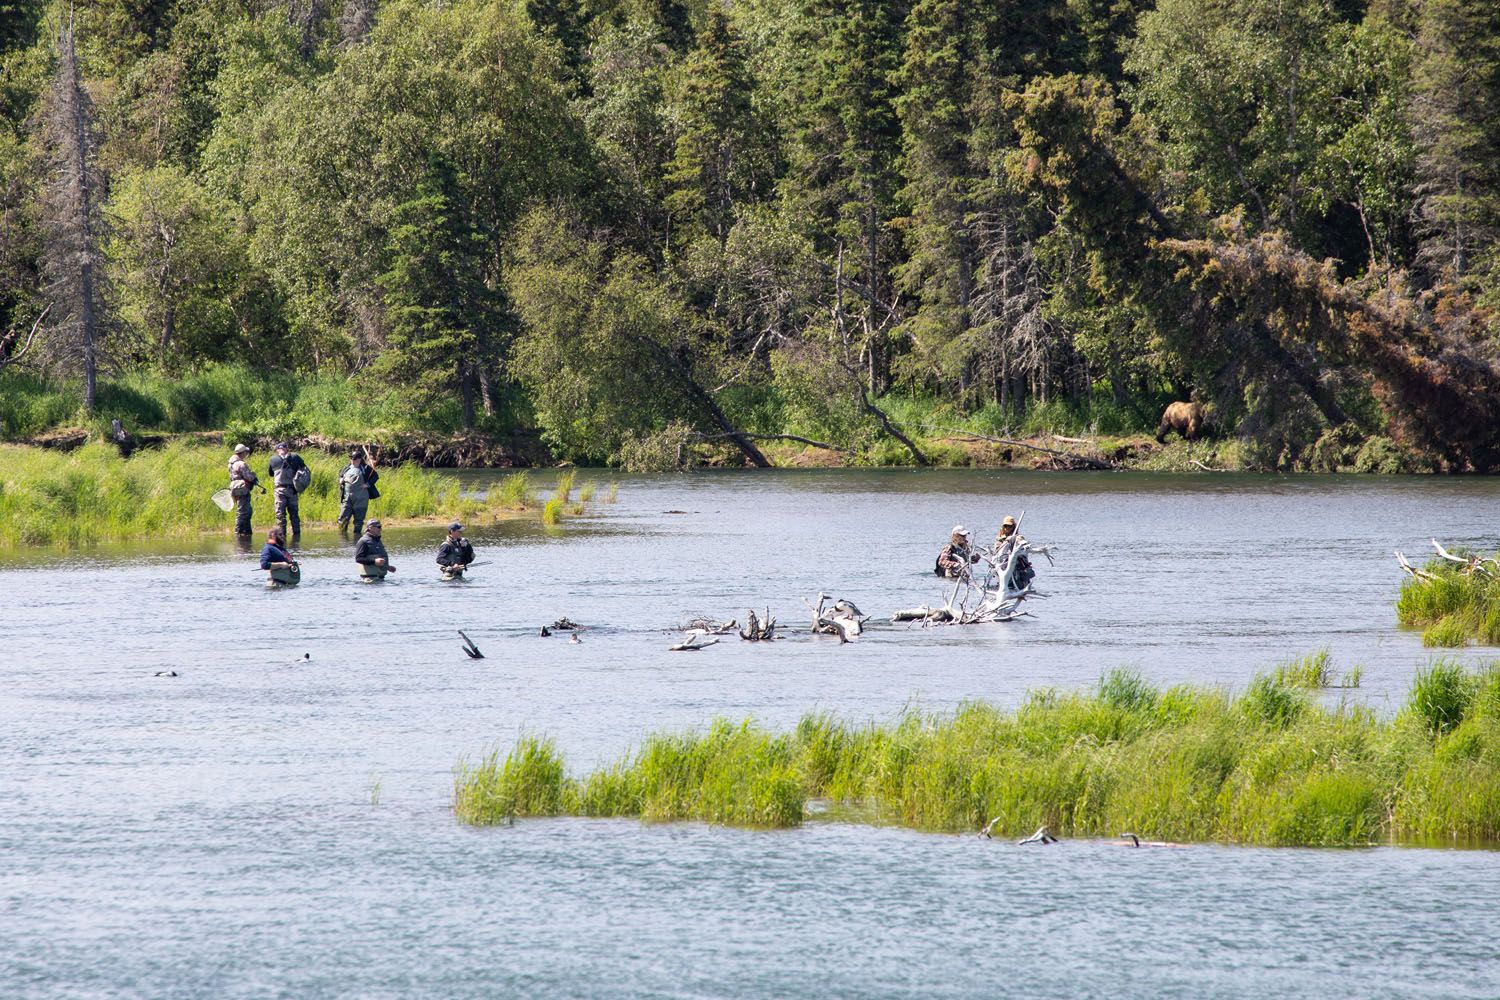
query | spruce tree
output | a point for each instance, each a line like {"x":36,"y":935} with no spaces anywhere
{"x":1456,"y":122}
{"x":720,"y":153}
{"x":437,"y":301}
{"x":846,"y":143}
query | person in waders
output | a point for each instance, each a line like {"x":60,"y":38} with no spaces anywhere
{"x":370,"y":553}
{"x":356,"y":490}
{"x":455,"y":553}
{"x":241,"y":481}
{"x":290,"y":476}
{"x":281,"y":569}
{"x":1005,"y":543}
{"x":954,"y":557}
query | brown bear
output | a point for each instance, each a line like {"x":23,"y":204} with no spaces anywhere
{"x":1186,"y":419}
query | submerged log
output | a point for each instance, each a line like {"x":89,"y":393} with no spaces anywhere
{"x":692,"y":645}
{"x":759,"y":629}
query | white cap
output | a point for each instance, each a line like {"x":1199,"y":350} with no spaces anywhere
{"x":959,"y":529}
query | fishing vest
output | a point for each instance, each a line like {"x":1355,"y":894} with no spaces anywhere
{"x":240,"y":479}
{"x":355,"y":486}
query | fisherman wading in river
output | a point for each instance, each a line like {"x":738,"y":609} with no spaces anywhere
{"x":455,"y":554}
{"x":369,"y":552}
{"x":290,"y":475}
{"x":956,"y":555}
{"x":356,"y":490}
{"x":281,"y":569}
{"x":241,"y":481}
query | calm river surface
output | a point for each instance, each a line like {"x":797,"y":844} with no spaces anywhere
{"x":259,"y":827}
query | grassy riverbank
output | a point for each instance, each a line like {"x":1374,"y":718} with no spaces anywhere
{"x":1452,"y":607}
{"x":91,"y":494}
{"x":1270,"y":765}
{"x":245,"y":404}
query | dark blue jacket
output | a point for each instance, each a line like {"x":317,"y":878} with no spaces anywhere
{"x":272,"y":553}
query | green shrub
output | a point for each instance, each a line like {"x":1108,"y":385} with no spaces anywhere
{"x":1440,"y":695}
{"x":1448,"y":631}
{"x":1272,"y":701}
{"x":1125,"y":689}
{"x":1311,"y":671}
{"x":529,"y":782}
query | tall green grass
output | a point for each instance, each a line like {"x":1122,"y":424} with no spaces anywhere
{"x":1267,"y":766}
{"x":92,"y":495}
{"x":1452,"y":607}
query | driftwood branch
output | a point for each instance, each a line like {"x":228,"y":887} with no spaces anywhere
{"x":1420,"y":574}
{"x":9,"y":356}
{"x":890,"y":428}
{"x":1475,"y":564}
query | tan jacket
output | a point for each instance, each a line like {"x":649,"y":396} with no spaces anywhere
{"x":241,"y":476}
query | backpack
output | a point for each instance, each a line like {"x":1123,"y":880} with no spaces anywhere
{"x":302,"y":478}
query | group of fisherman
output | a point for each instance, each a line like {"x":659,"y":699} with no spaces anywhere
{"x":453,"y":556}
{"x":290,"y":477}
{"x":955,"y":558}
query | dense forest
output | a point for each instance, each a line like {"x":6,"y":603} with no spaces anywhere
{"x":635,"y":224}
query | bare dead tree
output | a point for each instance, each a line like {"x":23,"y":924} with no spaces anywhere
{"x":1012,"y":338}
{"x":305,"y":16}
{"x":72,"y":219}
{"x":357,"y":19}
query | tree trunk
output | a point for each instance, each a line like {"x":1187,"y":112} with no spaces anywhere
{"x":466,"y":384}
{"x":74,"y":238}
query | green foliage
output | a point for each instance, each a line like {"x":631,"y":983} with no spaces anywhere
{"x":1440,"y":695}
{"x":515,"y":492}
{"x":178,"y":268}
{"x":626,"y":225}
{"x":1181,"y":764}
{"x":610,"y":354}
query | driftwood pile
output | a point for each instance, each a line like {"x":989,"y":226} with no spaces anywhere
{"x":759,"y":629}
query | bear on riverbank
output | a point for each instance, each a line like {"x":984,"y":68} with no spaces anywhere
{"x":1187,"y":419}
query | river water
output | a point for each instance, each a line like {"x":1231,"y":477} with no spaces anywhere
{"x":257,"y":826}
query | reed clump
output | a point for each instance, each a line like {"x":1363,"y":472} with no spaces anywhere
{"x":92,"y":494}
{"x":1453,"y":606}
{"x":1270,"y":765}
{"x":514,"y":492}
